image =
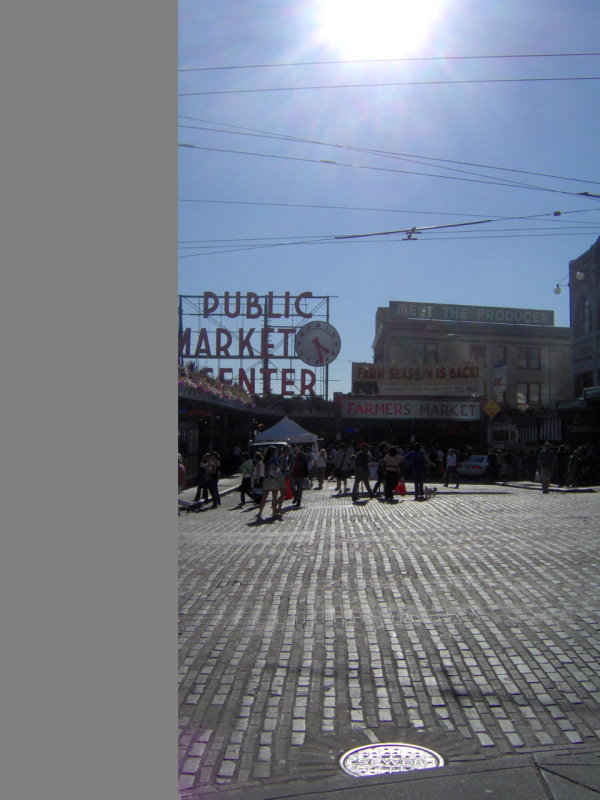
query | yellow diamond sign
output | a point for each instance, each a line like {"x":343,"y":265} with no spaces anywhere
{"x":491,"y":408}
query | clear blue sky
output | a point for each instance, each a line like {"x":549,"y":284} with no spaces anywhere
{"x":549,"y":127}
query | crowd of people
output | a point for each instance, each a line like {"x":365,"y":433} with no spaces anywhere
{"x":276,"y":476}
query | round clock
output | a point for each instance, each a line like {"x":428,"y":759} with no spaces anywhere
{"x":317,"y":343}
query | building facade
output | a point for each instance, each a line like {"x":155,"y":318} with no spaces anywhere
{"x":448,"y":371}
{"x":584,"y":283}
{"x":581,"y":414}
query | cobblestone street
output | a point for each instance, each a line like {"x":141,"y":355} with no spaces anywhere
{"x":467,"y":623}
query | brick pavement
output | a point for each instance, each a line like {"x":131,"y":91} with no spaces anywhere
{"x":467,"y":623}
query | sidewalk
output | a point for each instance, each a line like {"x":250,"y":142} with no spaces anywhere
{"x":520,"y":777}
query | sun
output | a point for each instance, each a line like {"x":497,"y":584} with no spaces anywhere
{"x":358,"y":29}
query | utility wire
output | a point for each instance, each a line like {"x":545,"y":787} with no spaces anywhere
{"x":200,"y":244}
{"x":515,"y":185}
{"x":277,"y":136}
{"x":376,"y":85}
{"x":388,"y":155}
{"x":397,"y":210}
{"x":331,"y":240}
{"x":387,"y":61}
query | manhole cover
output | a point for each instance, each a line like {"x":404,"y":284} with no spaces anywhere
{"x":382,"y":759}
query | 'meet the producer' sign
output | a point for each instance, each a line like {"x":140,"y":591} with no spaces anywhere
{"x":400,"y":309}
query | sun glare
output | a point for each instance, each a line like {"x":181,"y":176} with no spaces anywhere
{"x":358,"y":29}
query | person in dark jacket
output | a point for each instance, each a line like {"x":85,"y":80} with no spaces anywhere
{"x":562,"y":461}
{"x":416,"y":459}
{"x":546,"y":462}
{"x":298,"y":472}
{"x":361,"y":471}
{"x":492,"y":466}
{"x":384,"y":449}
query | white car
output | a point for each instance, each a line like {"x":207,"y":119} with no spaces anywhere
{"x":473,"y":467}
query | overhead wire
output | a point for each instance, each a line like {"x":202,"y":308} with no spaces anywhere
{"x":387,"y":61}
{"x":388,"y":84}
{"x":554,"y":214}
{"x":387,"y":153}
{"x":498,"y":182}
{"x":333,"y":240}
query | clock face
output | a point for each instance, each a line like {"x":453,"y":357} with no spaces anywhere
{"x":317,"y":343}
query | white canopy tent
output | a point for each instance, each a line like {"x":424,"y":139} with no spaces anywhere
{"x":286,"y":430}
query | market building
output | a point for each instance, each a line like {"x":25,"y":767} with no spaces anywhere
{"x":477,"y":374}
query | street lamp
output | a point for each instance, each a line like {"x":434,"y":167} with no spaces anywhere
{"x":579,"y":275}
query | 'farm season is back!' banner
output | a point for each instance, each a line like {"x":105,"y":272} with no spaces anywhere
{"x":441,"y":379}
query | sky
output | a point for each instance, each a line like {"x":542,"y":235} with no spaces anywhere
{"x":455,"y":131}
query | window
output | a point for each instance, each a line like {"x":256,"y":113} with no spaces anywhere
{"x":582,"y":381}
{"x":500,"y":354}
{"x":477,"y":352}
{"x":529,"y":358}
{"x":426,"y":352}
{"x":528,"y":394}
{"x":583,"y":320}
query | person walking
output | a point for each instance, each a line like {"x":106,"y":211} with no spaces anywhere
{"x":321,"y":467}
{"x":562,"y":461}
{"x":341,"y":467}
{"x":361,"y":471}
{"x":392,"y":462}
{"x":546,"y":462}
{"x":382,"y":451}
{"x":182,"y":479}
{"x":417,"y":459}
{"x":273,"y":484}
{"x":310,"y":456}
{"x":439,"y":460}
{"x":492,"y":466}
{"x":202,"y":489}
{"x":572,"y":469}
{"x":298,"y":473}
{"x":214,"y":473}
{"x":246,"y":468}
{"x":258,"y":476}
{"x":451,"y":472}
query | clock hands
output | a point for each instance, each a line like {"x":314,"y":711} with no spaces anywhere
{"x":321,"y":348}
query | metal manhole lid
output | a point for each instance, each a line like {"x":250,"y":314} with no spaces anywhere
{"x":388,"y":757}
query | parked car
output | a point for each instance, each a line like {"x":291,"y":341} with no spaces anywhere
{"x":473,"y":467}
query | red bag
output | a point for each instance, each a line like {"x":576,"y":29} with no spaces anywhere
{"x":288,"y":489}
{"x":401,"y":488}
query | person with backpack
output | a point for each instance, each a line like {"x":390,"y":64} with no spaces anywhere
{"x":341,"y":467}
{"x":417,"y":459}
